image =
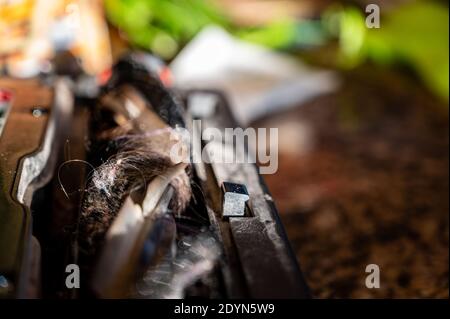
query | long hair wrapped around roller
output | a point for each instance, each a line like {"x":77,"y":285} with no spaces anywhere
{"x":135,"y":141}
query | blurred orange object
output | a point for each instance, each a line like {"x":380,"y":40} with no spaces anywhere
{"x":32,"y":30}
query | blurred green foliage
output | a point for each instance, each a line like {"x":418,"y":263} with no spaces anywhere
{"x":286,"y":34}
{"x":413,"y":34}
{"x":162,"y":26}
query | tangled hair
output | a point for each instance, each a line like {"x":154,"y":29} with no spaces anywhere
{"x":135,"y":158}
{"x":133,"y":167}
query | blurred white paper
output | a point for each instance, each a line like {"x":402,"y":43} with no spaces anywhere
{"x":257,"y":81}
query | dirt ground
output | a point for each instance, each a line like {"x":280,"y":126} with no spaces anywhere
{"x":364,"y":179}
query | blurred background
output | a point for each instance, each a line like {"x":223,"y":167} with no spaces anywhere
{"x":362,"y":113}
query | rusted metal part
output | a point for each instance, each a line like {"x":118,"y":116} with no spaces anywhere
{"x":27,"y":162}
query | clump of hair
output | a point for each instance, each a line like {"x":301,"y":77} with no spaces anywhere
{"x":137,"y":148}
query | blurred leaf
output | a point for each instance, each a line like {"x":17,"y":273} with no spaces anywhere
{"x":162,"y":26}
{"x":416,"y":33}
{"x":286,"y":34}
{"x":277,"y":35}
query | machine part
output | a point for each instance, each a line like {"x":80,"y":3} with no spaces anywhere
{"x":127,"y":239}
{"x":245,"y":254}
{"x":26,"y":164}
{"x":195,"y":258}
{"x":5,"y":99}
{"x":235,"y":197}
{"x":130,"y":71}
{"x":202,"y":105}
{"x":257,"y":260}
{"x":136,"y":144}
